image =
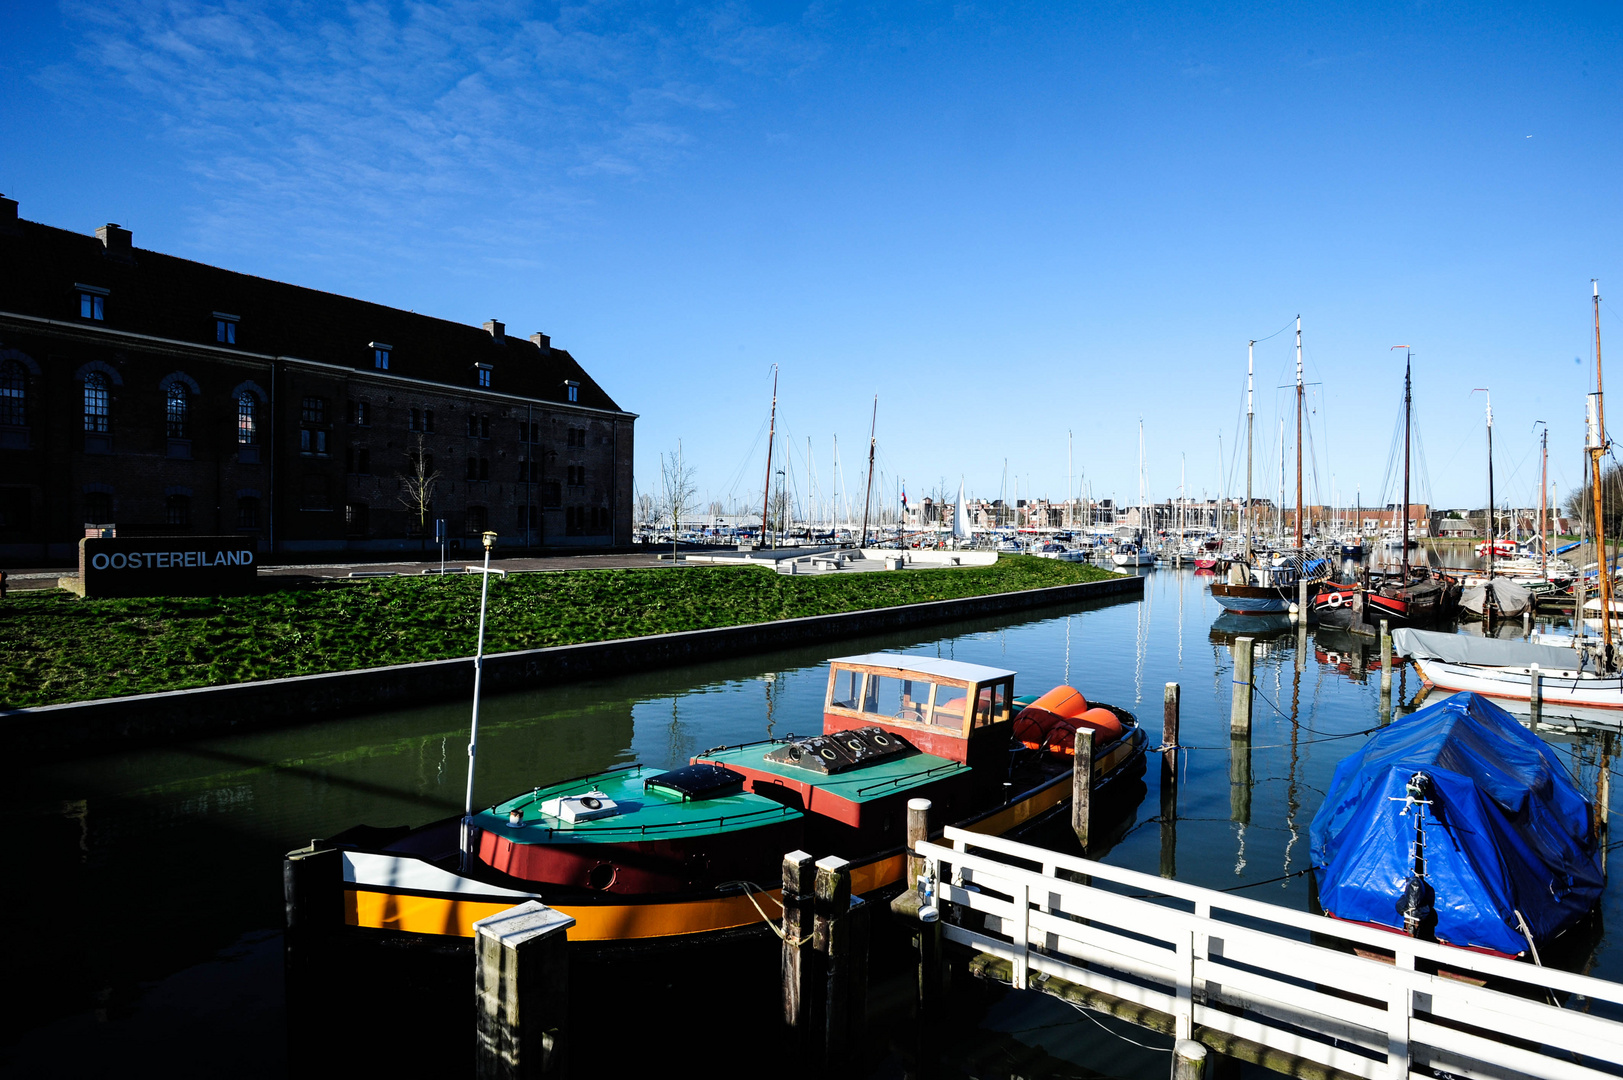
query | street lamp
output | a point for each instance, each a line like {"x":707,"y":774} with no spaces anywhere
{"x":485,"y":571}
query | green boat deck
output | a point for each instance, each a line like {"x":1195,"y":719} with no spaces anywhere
{"x":643,"y":814}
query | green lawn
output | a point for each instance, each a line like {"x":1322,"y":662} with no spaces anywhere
{"x":55,"y":647}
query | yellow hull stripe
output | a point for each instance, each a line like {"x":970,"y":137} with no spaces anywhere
{"x":593,"y":922}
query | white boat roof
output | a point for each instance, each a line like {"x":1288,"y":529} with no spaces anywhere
{"x":957,"y":670}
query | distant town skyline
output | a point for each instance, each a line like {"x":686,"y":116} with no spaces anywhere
{"x":1009,"y":224}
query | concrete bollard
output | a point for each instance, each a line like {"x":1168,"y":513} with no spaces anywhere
{"x":1082,"y":787}
{"x":1240,"y":709}
{"x":521,"y":989}
{"x":1188,"y":1060}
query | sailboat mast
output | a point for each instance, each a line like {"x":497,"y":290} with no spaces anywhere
{"x":1597,"y":447}
{"x":1408,"y":404}
{"x":1492,"y":524}
{"x":771,"y":437}
{"x":867,"y":501}
{"x":1250,"y":357}
{"x":1298,"y":434}
{"x":1543,"y":491}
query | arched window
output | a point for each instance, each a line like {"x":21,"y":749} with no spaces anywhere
{"x":13,"y":394}
{"x":98,"y":404}
{"x":176,"y":409}
{"x":247,"y":419}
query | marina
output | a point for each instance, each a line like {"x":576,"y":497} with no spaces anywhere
{"x":193,"y":834}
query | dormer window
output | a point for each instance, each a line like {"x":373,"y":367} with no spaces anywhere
{"x":483,"y":373}
{"x":91,"y":301}
{"x":571,"y":390}
{"x":225,"y":328}
{"x":380,"y":355}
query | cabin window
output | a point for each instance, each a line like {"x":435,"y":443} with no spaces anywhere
{"x":992,"y":704}
{"x":906,"y":699}
{"x":845,"y":690}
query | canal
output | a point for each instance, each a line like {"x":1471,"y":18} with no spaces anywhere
{"x":145,"y":891}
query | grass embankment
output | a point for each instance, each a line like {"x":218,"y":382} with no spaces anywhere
{"x":55,"y":647}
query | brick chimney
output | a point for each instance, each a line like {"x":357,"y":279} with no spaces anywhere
{"x":117,"y":242}
{"x":542,"y":342}
{"x":497,"y":330}
{"x":8,"y":217}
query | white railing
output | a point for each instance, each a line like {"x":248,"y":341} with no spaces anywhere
{"x":1281,"y":978}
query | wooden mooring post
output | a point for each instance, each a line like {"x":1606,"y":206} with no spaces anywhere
{"x":1240,"y":708}
{"x":825,"y":969}
{"x":1169,"y":780}
{"x":1082,"y":787}
{"x":1386,"y":672}
{"x":313,"y":895}
{"x":1188,"y":1060}
{"x":1535,"y":692}
{"x":521,"y":990}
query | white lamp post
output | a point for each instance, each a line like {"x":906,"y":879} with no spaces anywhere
{"x":478,"y":672}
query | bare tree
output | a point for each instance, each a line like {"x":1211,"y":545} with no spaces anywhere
{"x":417,"y":484}
{"x":677,"y":479}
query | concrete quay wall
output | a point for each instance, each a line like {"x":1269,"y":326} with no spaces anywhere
{"x":111,"y":724}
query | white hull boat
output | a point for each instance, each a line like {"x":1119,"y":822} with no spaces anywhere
{"x":1504,"y":669}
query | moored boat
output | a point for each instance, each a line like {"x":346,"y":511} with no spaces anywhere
{"x":1457,"y":824}
{"x":637,"y":856}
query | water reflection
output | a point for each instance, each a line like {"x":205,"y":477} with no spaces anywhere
{"x":185,"y":843}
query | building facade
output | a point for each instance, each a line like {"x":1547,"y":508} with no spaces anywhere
{"x":158,"y":395}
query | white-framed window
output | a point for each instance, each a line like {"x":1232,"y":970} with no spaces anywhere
{"x":92,"y":301}
{"x":380,"y":355}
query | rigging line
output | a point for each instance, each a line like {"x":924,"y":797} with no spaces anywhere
{"x":1288,"y":324}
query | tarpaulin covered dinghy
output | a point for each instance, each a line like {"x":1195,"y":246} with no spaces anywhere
{"x":1458,"y":823}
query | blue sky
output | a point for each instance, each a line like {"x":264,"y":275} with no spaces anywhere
{"x":1008,"y":222}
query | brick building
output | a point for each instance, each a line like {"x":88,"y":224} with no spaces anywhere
{"x":160,"y":395}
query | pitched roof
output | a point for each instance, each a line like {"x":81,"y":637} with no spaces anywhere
{"x":170,"y":297}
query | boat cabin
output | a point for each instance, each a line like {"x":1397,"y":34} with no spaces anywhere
{"x":955,"y":710}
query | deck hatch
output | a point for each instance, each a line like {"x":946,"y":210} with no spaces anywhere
{"x":842,"y":750}
{"x":697,"y":782}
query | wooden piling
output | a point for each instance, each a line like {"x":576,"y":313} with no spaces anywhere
{"x":1240,"y":709}
{"x":1302,"y":608}
{"x":1603,"y":795}
{"x":798,"y":967}
{"x":918,"y":832}
{"x":1188,"y":1060}
{"x":840,"y":937}
{"x":1240,"y":779}
{"x":1082,"y":786}
{"x":1535,"y":691}
{"x":313,"y":900}
{"x":1386,"y":659}
{"x":521,"y":990}
{"x":1169,"y":780}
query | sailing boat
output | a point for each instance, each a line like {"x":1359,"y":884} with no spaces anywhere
{"x":1416,"y":595}
{"x":1491,"y":597}
{"x":1136,"y":552}
{"x":1253,"y":589}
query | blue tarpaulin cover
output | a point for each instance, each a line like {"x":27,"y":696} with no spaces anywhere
{"x":1507,"y":829}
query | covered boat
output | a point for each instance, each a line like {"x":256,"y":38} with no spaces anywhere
{"x":636,"y":855}
{"x":1457,"y":824}
{"x":1568,"y":675}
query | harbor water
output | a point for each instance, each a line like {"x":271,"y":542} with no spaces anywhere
{"x":145,"y":890}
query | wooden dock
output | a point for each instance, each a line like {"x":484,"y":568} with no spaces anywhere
{"x":1263,"y":983}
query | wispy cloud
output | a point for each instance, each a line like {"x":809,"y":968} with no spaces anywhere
{"x":331,"y":126}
